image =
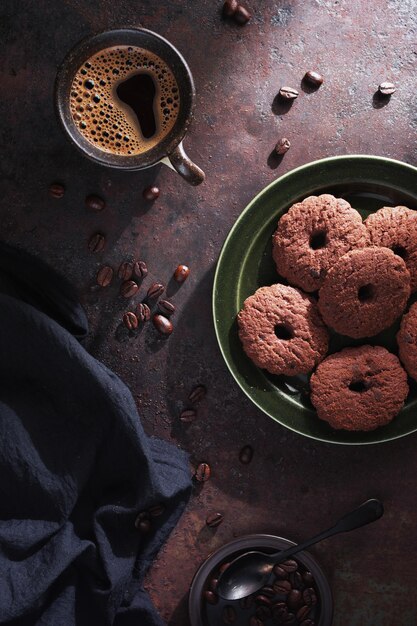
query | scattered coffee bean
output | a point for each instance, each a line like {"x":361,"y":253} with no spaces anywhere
{"x":308,"y":578}
{"x":294,"y":599}
{"x":246,"y":455}
{"x":151,"y":193}
{"x":128,"y":288}
{"x":386,"y":89}
{"x":56,"y":190}
{"x":211,"y":597}
{"x":142,"y":522}
{"x":156,"y":510}
{"x":202,"y":473}
{"x":197,"y":394}
{"x":228,"y":615}
{"x":213,"y":584}
{"x":314,"y":78}
{"x":223,"y":567}
{"x":130,"y":320}
{"x":309,"y":596}
{"x":289,"y":566}
{"x":143,"y":312}
{"x":264,"y":600}
{"x":214,"y":519}
{"x":282,"y":586}
{"x":162,"y":324}
{"x":241,"y":15}
{"x":96,"y":242}
{"x":263,"y":612}
{"x":255,"y":621}
{"x":105,"y":276}
{"x":229,"y":7}
{"x":140,"y":269}
{"x":288,"y":93}
{"x":155,"y":290}
{"x":188,"y":415}
{"x":94,"y":203}
{"x":283,"y":145}
{"x":279,"y":572}
{"x":303,"y":612}
{"x":166,"y":307}
{"x":246,"y":603}
{"x":125,"y":270}
{"x":181,"y":273}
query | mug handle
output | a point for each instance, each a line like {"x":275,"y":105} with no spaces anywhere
{"x":184,"y":166}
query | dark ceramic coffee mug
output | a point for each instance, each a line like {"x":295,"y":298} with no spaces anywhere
{"x":168,"y":149}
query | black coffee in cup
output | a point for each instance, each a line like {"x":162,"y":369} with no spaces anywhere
{"x":124,"y":100}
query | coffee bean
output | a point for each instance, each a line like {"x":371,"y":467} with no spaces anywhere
{"x":181,"y":273}
{"x":143,"y":312}
{"x":214,"y":519}
{"x":95,"y":203}
{"x":282,"y":586}
{"x":289,"y":619}
{"x":142,"y":522}
{"x":211,"y":597}
{"x":303,"y":612}
{"x":294,"y":599}
{"x":246,"y":603}
{"x":279,"y":572}
{"x":242,"y":15}
{"x":213,"y":584}
{"x":155,"y":290}
{"x":162,"y":324}
{"x":296,"y":580}
{"x":105,"y":276}
{"x":96,"y":242}
{"x":56,"y":190}
{"x":263,"y":612}
{"x":156,"y":510}
{"x":267,"y":591}
{"x":202,"y":472}
{"x":289,"y":566}
{"x":140,"y":269}
{"x":228,"y":615}
{"x":151,"y":193}
{"x":125,"y":270}
{"x":246,"y":455}
{"x":197,"y":394}
{"x":188,"y":415}
{"x":128,"y":288}
{"x":264,"y":600}
{"x":255,"y":621}
{"x":279,"y":612}
{"x":229,"y":7}
{"x":288,"y":93}
{"x":386,"y":89}
{"x":224,"y":566}
{"x":308,"y":578}
{"x":282,"y":146}
{"x":130,"y":320}
{"x":314,"y":78}
{"x":309,"y":596}
{"x":166,"y":307}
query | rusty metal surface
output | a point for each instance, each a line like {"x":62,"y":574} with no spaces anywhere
{"x":293,"y":486}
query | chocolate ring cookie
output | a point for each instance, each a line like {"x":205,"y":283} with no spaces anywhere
{"x":281,"y":330}
{"x":396,"y":228}
{"x":407,"y":341}
{"x":312,"y":236}
{"x":364,"y":292}
{"x":359,"y":388}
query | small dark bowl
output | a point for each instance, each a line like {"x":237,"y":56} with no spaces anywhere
{"x":206,"y":615}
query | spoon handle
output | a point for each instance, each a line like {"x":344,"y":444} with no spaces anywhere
{"x":368,"y":512}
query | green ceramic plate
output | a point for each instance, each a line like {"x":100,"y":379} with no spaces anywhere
{"x":245,"y":264}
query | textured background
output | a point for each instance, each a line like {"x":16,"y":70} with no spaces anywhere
{"x":293,"y":486}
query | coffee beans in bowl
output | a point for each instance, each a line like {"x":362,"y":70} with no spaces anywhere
{"x":297,"y":592}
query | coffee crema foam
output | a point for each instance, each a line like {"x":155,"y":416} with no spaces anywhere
{"x":107,"y":122}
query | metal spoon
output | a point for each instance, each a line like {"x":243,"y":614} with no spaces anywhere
{"x":251,"y":571}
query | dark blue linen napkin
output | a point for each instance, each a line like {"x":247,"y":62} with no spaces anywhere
{"x":76,"y":467}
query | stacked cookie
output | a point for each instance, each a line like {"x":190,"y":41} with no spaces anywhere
{"x":364,"y":273}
